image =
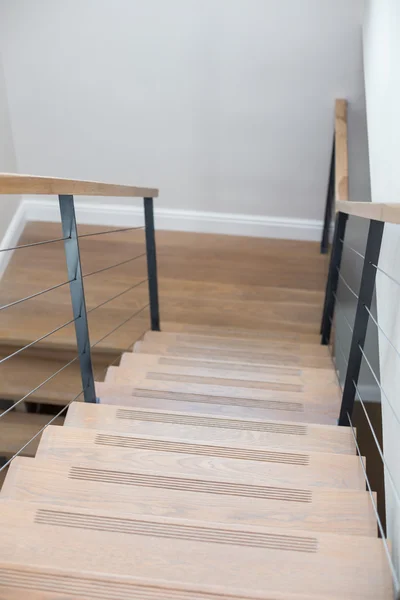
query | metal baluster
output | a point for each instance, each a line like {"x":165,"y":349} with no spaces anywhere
{"x":151,"y":263}
{"x":72,"y":255}
{"x":365,"y":296}
{"x":333,"y":277}
{"x":330,"y":198}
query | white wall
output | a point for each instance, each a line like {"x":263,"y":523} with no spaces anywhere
{"x":8,"y":204}
{"x":382,"y":84}
{"x":226,"y":105}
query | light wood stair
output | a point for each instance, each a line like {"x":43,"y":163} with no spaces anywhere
{"x":196,"y":498}
{"x":253,"y":433}
{"x":164,"y":551}
{"x":127,"y":497}
{"x":212,"y":466}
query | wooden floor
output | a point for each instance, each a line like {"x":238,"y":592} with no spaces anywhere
{"x":212,"y":466}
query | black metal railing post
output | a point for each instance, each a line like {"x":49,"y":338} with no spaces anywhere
{"x":74,"y":268}
{"x":330,"y":198}
{"x":151,"y":263}
{"x":333,"y":277}
{"x":367,"y":287}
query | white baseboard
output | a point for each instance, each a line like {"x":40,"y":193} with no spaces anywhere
{"x":34,"y":208}
{"x":118,"y":215}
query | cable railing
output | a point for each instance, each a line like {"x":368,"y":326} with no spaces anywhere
{"x":357,"y":354}
{"x":65,"y":190}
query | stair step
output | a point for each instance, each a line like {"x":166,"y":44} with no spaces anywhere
{"x":310,"y":509}
{"x":110,"y":393}
{"x":287,"y":401}
{"x":44,"y":582}
{"x":321,"y":361}
{"x":183,"y":426}
{"x":240,"y":332}
{"x":245,"y":561}
{"x":276,"y":346}
{"x":274,"y":378}
{"x":144,"y":452}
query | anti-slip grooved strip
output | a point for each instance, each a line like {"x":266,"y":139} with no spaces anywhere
{"x":190,"y":485}
{"x":170,"y":530}
{"x":218,"y":381}
{"x":103,"y":439}
{"x":224,"y":400}
{"x":226,"y":366}
{"x":221,"y":423}
{"x":100,"y":588}
{"x":272,"y":357}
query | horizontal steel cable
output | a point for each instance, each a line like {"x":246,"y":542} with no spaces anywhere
{"x":381,"y":330}
{"x":35,"y":244}
{"x":113,"y":266}
{"x":54,"y":287}
{"x":386,"y":274}
{"x":378,"y":520}
{"x":132,"y":287}
{"x":391,"y":478}
{"x":346,"y":284}
{"x":38,"y":387}
{"x":120,"y":325}
{"x":43,"y":337}
{"x":40,"y":431}
{"x":83,"y":235}
{"x":379,"y":384}
{"x":345,"y":245}
{"x":120,"y":355}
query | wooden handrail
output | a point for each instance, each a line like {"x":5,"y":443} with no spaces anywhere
{"x":388,"y":213}
{"x":341,"y":151}
{"x":11,"y":183}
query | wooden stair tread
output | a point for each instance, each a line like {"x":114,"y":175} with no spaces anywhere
{"x":267,"y":358}
{"x":310,"y":509}
{"x":237,"y":362}
{"x":238,"y":344}
{"x":126,"y":451}
{"x":286,"y":379}
{"x":232,"y":394}
{"x":44,"y":582}
{"x":110,"y":393}
{"x":215,"y":429}
{"x":240,"y":332}
{"x":167,"y":552}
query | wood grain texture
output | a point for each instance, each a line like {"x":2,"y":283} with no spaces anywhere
{"x":13,"y":183}
{"x":257,"y":560}
{"x":49,"y":583}
{"x":149,"y":365}
{"x":287,"y":401}
{"x":119,"y":395}
{"x":255,"y":433}
{"x":341,"y":152}
{"x":244,"y":345}
{"x":331,"y":511}
{"x":309,"y":469}
{"x":269,"y":357}
{"x":301,"y":379}
{"x":387,"y":213}
{"x":240,"y":332}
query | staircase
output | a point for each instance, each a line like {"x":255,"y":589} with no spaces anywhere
{"x":211,"y":465}
{"x":197,"y":477}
